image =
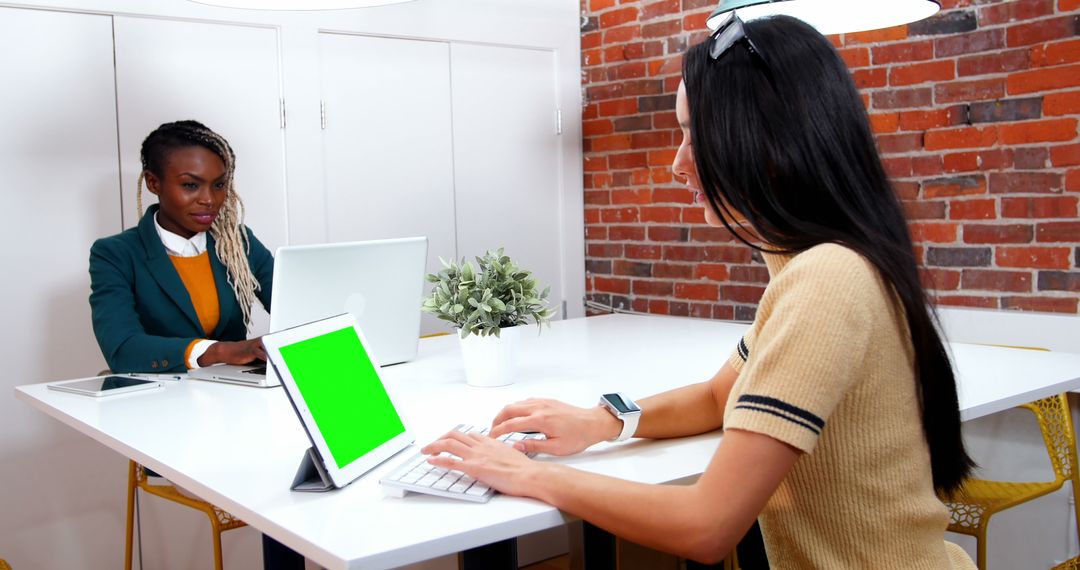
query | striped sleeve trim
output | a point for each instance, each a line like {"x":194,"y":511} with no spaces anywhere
{"x":744,"y":352}
{"x":781,"y":409}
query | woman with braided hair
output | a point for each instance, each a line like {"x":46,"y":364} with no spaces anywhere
{"x":175,"y":292}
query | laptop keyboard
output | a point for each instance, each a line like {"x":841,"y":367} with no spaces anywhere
{"x":419,"y":476}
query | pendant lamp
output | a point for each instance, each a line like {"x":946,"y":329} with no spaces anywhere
{"x":298,"y":4}
{"x":831,"y":16}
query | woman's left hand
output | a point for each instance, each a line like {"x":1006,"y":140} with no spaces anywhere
{"x":502,"y":467}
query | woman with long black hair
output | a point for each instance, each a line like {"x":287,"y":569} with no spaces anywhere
{"x":839,"y":405}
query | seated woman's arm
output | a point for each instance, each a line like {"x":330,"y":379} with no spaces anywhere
{"x":123,"y":340}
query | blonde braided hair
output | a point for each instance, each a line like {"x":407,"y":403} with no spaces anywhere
{"x":230,"y":237}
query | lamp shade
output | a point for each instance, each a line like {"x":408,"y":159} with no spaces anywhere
{"x":832,"y":16}
{"x":298,"y":4}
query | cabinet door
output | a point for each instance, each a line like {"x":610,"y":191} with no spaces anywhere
{"x":59,"y":166}
{"x":506,"y":157}
{"x":224,"y":76}
{"x":388,"y":155}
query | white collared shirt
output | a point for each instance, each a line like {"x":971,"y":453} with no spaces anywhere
{"x":179,"y":246}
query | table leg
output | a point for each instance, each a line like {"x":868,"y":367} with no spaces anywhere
{"x":600,"y":551}
{"x":502,"y":554}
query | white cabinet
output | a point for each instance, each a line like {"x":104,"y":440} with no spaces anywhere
{"x":61,"y":191}
{"x":506,"y":157}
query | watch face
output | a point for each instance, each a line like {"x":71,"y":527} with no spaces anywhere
{"x":619,"y":404}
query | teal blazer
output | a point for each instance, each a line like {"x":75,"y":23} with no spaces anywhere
{"x":142,"y":314}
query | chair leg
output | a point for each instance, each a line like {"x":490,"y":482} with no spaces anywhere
{"x":216,"y":530}
{"x":980,"y":546}
{"x":130,"y":515}
{"x":1076,"y":498}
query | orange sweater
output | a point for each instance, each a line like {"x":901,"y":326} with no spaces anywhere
{"x":198,"y":279}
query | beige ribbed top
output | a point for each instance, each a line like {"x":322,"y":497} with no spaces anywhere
{"x":827,"y":367}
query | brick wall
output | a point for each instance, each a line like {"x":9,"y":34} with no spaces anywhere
{"x":975,"y":113}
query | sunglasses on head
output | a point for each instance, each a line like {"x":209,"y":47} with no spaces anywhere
{"x":730,"y":31}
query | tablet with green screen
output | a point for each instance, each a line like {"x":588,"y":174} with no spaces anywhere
{"x":335,"y":388}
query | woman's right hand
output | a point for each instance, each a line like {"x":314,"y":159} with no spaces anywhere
{"x":569,"y":429}
{"x":239,"y":352}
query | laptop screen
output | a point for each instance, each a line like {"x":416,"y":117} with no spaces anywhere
{"x":343,"y":392}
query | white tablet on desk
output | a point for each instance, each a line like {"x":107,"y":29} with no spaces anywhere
{"x":333,"y":382}
{"x":99,"y":386}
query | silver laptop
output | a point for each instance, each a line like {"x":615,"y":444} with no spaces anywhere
{"x":381,"y":283}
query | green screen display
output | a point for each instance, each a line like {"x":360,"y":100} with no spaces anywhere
{"x":343,"y":393}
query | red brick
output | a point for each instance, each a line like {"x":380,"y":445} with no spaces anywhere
{"x":936,"y":233}
{"x":711,"y":271}
{"x":626,"y":71}
{"x":897,"y":167}
{"x":977,"y":160}
{"x":711,"y":234}
{"x":991,"y":280}
{"x":661,"y":157}
{"x":595,"y":163}
{"x":657,"y":9}
{"x":1068,"y":5}
{"x":695,"y":21}
{"x":610,"y":142}
{"x":940,"y":279}
{"x":885,"y":122}
{"x":1066,"y":155}
{"x":1048,"y":207}
{"x":1072,"y":181}
{"x":1001,"y":62}
{"x":660,"y":175}
{"x":1027,"y":132}
{"x":855,"y":57}
{"x":591,"y":40}
{"x":592,"y":216}
{"x":995,"y":234}
{"x":595,"y":233}
{"x":723,"y":312}
{"x":1041,"y":31}
{"x":618,"y":107}
{"x":1057,"y":53}
{"x":622,"y":35}
{"x":1067,"y":103}
{"x":626,"y":233}
{"x":877,"y":36}
{"x":1062,"y":77}
{"x":635,"y":196}
{"x":652,"y":139}
{"x":923,"y":72}
{"x":596,"y":127}
{"x":634,"y":251}
{"x":899,"y":143}
{"x":697,"y":291}
{"x":627,"y":161}
{"x":598,"y":5}
{"x":1024,"y":182}
{"x":658,"y":307}
{"x":598,"y":197}
{"x":973,"y":209}
{"x":1043,"y":304}
{"x":631,"y":268}
{"x":1013,"y":11}
{"x":727,"y":253}
{"x":662,"y":214}
{"x":929,"y":210}
{"x":662,"y":29}
{"x":750,"y":274}
{"x":619,"y":215}
{"x":969,"y":90}
{"x":693,"y":216}
{"x":927,"y":165}
{"x":954,"y":186}
{"x":673,"y":270}
{"x":668,"y":233}
{"x":923,"y":120}
{"x":870,"y":78}
{"x":964,"y":137}
{"x":1058,"y":232}
{"x":903,"y":52}
{"x":1035,"y":257}
{"x":673,"y":195}
{"x":684,"y":253}
{"x":643,"y":50}
{"x":906,"y":190}
{"x":972,"y":42}
{"x":968,"y":301}
{"x":742,"y":293}
{"x":617,"y":17}
{"x":611,"y":285}
{"x":653,"y":288}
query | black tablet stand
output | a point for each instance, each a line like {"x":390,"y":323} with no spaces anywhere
{"x":312,"y":476}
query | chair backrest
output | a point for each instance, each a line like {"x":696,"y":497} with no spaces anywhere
{"x":1055,"y":422}
{"x":4,"y":565}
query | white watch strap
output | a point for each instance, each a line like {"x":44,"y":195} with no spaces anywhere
{"x":629,"y":426}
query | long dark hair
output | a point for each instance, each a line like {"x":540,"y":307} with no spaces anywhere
{"x":781,"y":136}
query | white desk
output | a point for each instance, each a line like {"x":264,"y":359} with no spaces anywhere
{"x":239,"y":447}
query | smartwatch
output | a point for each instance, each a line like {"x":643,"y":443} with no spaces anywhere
{"x":626,"y":410}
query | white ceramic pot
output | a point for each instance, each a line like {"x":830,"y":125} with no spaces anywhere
{"x":491,"y":360}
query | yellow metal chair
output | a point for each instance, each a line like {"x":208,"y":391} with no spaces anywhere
{"x":979,"y":499}
{"x":4,"y":565}
{"x":1072,"y":564}
{"x":220,"y":521}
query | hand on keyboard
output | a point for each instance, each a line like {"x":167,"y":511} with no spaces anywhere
{"x":420,"y":476}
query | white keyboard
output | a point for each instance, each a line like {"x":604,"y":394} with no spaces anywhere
{"x":419,"y":476}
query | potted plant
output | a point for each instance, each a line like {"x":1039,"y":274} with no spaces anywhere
{"x":486,"y":303}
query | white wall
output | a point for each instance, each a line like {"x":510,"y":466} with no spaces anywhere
{"x":61,"y":494}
